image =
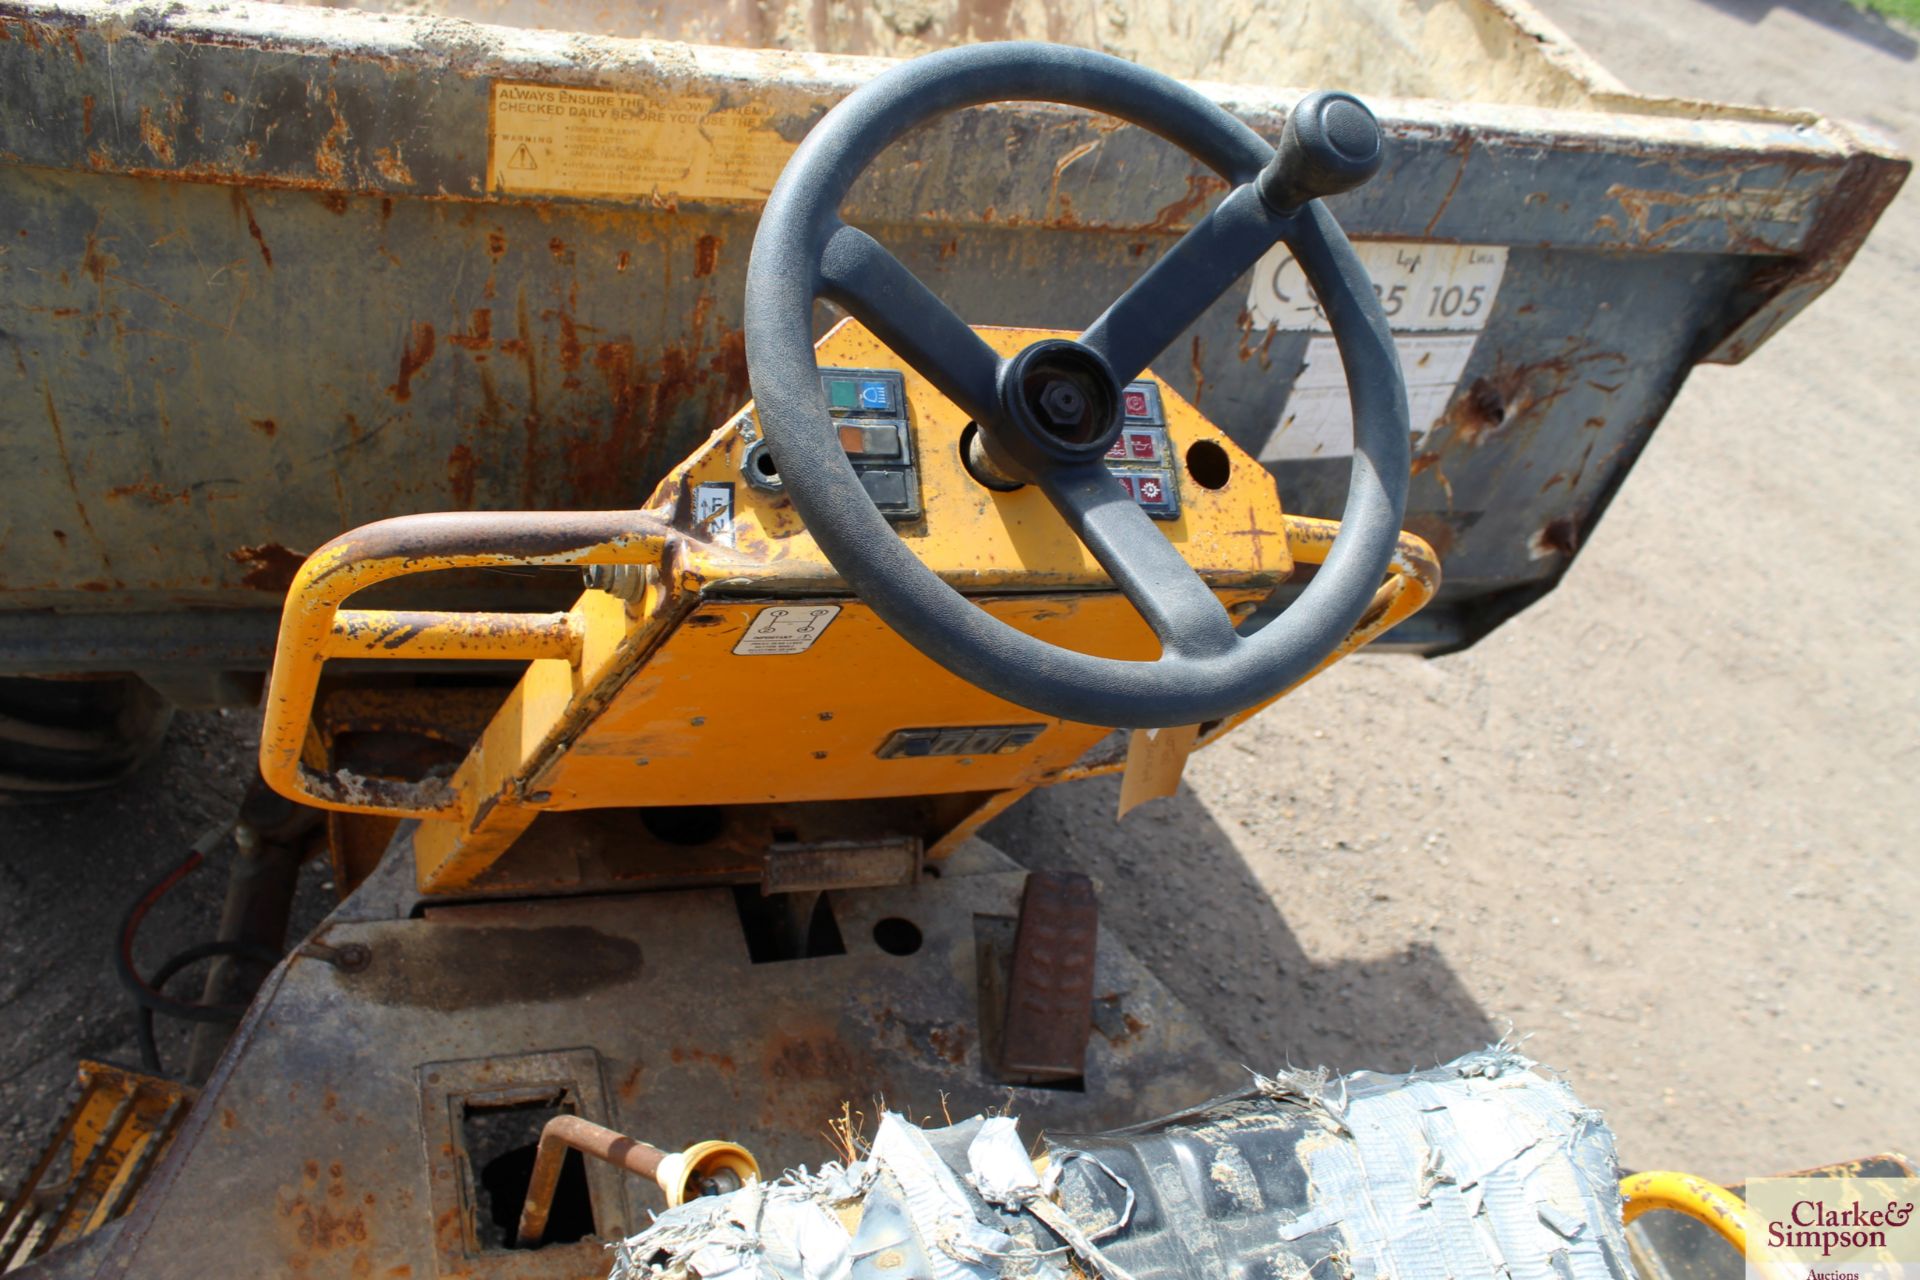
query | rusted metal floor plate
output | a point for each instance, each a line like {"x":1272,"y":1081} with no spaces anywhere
{"x":329,"y":1141}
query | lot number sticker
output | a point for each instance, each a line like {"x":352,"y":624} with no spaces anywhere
{"x":1437,"y":298}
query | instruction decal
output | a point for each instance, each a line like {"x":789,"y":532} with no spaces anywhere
{"x":546,"y":139}
{"x":1437,"y":298}
{"x":713,"y":511}
{"x":786,"y":628}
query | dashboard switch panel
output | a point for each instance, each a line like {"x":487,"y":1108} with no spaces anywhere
{"x":869,"y":412}
{"x":1141,"y":456}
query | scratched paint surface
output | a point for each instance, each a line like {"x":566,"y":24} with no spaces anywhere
{"x":255,"y":291}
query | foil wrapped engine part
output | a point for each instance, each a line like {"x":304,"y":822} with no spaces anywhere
{"x":1486,"y":1167}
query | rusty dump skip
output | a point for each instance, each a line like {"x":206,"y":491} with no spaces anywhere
{"x":275,"y":272}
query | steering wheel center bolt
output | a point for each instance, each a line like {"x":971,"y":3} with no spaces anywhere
{"x":1062,"y":403}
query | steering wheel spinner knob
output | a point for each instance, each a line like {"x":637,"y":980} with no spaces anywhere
{"x":1331,"y":143}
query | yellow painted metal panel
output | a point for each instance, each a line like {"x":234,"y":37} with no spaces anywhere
{"x":701,"y":724}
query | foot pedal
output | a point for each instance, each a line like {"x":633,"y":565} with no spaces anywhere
{"x":90,"y":1173}
{"x":1049,"y":1002}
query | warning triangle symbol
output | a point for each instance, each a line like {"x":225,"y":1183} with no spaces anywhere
{"x":522,"y":159}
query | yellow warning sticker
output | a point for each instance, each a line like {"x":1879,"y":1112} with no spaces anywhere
{"x":554,"y":140}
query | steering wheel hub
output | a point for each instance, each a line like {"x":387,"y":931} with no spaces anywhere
{"x":1060,"y":406}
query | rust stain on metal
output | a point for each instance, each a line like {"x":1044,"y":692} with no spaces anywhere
{"x":460,"y":469}
{"x":801,"y":1059}
{"x":1865,"y":188}
{"x":1509,"y":393}
{"x":329,"y":159}
{"x":1478,"y":413}
{"x":269,"y":566}
{"x":951,"y":1041}
{"x":391,"y":166}
{"x":479,"y":334}
{"x":265,"y":426}
{"x":570,"y":346}
{"x":1247,"y":348}
{"x":157,"y":494}
{"x":66,"y":467}
{"x":95,"y":263}
{"x":1200,"y":186}
{"x":1462,"y":150}
{"x":808,"y":1072}
{"x":720,"y":1061}
{"x":413,"y":357}
{"x":1066,"y":216}
{"x":156,"y":139}
{"x":86,"y":114}
{"x":253,"y":226}
{"x":706,"y":255}
{"x":322,"y":1217}
{"x":644,"y":395}
{"x":1741,"y":209}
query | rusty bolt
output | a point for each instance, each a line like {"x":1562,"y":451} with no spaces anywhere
{"x":349,"y":957}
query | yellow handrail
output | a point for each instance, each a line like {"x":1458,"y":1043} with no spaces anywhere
{"x":314,"y":627}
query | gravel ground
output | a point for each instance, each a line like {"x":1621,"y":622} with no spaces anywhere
{"x":1661,"y":824}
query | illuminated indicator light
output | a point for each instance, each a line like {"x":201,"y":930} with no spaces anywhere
{"x":876,"y":395}
{"x":1140,"y":445}
{"x":841,"y":394}
{"x":1136,"y":402}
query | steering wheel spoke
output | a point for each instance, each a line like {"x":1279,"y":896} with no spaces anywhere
{"x":1180,"y":607}
{"x":1188,"y":278}
{"x":858,"y":273}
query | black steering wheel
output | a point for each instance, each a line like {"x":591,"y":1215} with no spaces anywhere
{"x":1048,"y":415}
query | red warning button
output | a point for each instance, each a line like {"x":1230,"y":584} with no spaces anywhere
{"x":1142,"y":445}
{"x":1151,"y":489}
{"x":1136,"y":403}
